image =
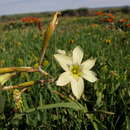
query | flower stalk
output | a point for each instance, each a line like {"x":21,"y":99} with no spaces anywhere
{"x":17,"y":69}
{"x":47,"y":35}
{"x":26,"y":84}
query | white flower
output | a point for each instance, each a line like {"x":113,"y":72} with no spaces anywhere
{"x":75,"y":71}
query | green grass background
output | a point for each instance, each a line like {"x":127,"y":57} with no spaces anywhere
{"x":21,"y":47}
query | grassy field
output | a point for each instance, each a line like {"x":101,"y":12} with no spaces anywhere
{"x":105,"y":104}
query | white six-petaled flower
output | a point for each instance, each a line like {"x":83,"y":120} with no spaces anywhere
{"x":75,"y":71}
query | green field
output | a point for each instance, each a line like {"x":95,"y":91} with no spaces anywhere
{"x":105,"y":104}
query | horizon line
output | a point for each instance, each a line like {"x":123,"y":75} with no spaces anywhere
{"x":31,"y":12}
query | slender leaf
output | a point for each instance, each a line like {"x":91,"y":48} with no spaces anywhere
{"x":2,"y":103}
{"x":128,"y":123}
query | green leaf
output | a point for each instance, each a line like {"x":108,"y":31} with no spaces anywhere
{"x":2,"y":103}
{"x":72,"y":105}
{"x":128,"y":123}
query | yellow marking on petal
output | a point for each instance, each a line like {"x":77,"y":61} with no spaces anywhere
{"x":76,"y":70}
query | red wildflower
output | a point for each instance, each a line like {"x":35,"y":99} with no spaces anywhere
{"x":99,"y":13}
{"x":128,"y":25}
{"x":31,"y":19}
{"x":123,"y":20}
{"x":94,"y":25}
{"x":109,"y":20}
{"x":34,"y":20}
{"x":110,"y":15}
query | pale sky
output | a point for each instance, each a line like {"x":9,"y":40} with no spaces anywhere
{"x":26,"y":6}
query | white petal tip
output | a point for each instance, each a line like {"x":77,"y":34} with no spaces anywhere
{"x":77,"y":87}
{"x":77,"y":55}
{"x":93,"y":80}
{"x":61,"y":52}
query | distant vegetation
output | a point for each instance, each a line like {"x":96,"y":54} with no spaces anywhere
{"x":69,"y":12}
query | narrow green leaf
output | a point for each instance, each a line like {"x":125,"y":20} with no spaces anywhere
{"x":2,"y":103}
{"x":128,"y":123}
{"x":72,"y":105}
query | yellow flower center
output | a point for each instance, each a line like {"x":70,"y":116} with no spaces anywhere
{"x":75,"y":70}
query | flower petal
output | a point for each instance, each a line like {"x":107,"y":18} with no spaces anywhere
{"x":63,"y":60}
{"x":88,"y":64}
{"x":61,"y":52}
{"x":77,"y":87}
{"x":77,"y":55}
{"x":90,"y":76}
{"x":63,"y":79}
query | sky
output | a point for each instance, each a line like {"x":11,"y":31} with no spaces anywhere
{"x":26,"y":6}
